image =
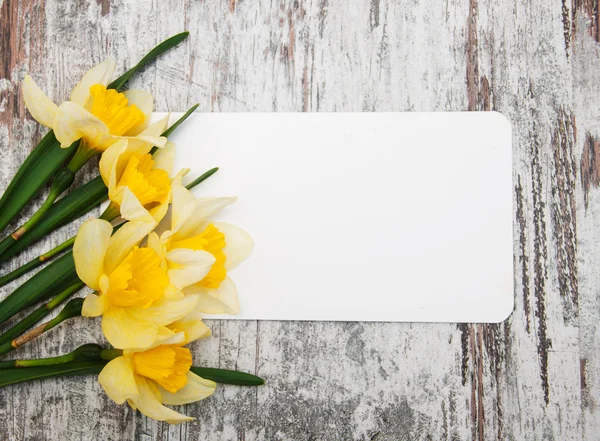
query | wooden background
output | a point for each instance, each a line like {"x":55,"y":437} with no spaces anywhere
{"x":534,"y":377}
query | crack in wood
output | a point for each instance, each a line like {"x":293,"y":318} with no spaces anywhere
{"x":523,"y":257}
{"x":564,"y":213}
{"x":540,"y":257}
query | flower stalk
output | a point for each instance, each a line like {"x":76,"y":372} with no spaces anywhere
{"x":89,"y":352}
{"x":46,"y":283}
{"x":10,"y":340}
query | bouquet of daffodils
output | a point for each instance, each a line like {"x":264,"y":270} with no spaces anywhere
{"x":154,"y":259}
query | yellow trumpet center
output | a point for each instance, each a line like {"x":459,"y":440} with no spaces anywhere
{"x":168,"y":365}
{"x":150,"y":185}
{"x":138,"y":281}
{"x":212,"y":241}
{"x":111,"y":108}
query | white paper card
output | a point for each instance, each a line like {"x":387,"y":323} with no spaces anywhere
{"x":363,"y":216}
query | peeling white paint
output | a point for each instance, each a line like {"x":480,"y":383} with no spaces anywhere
{"x":340,"y":381}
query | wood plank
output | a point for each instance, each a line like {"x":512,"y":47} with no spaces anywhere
{"x":536,"y":376}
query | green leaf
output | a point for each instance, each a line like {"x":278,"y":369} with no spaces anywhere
{"x":48,"y":157}
{"x":19,"y":375}
{"x":225,"y":376}
{"x":51,"y":280}
{"x":65,"y":210}
{"x":153,"y":54}
{"x":41,"y":312}
{"x":35,"y":172}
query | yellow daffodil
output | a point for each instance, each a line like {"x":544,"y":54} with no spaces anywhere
{"x":95,"y":114}
{"x":149,"y":379}
{"x":192,"y":233}
{"x":134,"y":294}
{"x":127,"y":165}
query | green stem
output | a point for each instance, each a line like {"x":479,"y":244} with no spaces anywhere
{"x":89,"y":352}
{"x":177,"y":123}
{"x":63,"y":180}
{"x":35,"y":218}
{"x":67,"y":209}
{"x":39,"y":260}
{"x":111,"y":212}
{"x":109,"y":354}
{"x":180,"y":121}
{"x":44,"y":284}
{"x":202,"y":178}
{"x":71,"y":309}
{"x":81,"y":157}
{"x":37,"y":315}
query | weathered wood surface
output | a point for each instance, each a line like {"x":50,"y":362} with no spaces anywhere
{"x":534,"y":377}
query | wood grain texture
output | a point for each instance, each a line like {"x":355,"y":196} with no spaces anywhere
{"x":534,"y":377}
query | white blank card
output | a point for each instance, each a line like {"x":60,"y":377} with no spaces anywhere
{"x":363,"y":216}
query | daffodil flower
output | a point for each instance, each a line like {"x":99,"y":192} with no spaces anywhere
{"x":134,"y":294}
{"x":129,"y":166}
{"x":95,"y":114}
{"x":149,"y":379}
{"x":192,"y":233}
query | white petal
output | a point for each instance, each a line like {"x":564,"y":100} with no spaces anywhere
{"x":145,"y":102}
{"x":165,"y":157}
{"x":73,"y":122}
{"x":153,"y":131}
{"x":109,"y":161}
{"x":157,"y":128}
{"x":205,"y":208}
{"x":154,"y":244}
{"x":189,"y":213}
{"x":196,"y":389}
{"x":148,"y":402}
{"x":223,"y":300}
{"x":173,"y":293}
{"x":39,"y":105}
{"x":159,"y":212}
{"x":118,"y":381}
{"x":188,"y":266}
{"x":238,"y":244}
{"x":123,"y":330}
{"x":167,"y":336}
{"x":154,"y":141}
{"x":177,"y":180}
{"x":182,"y":207}
{"x":131,"y":208}
{"x":93,"y":306}
{"x":99,"y":74}
{"x":192,"y":326}
{"x":89,"y":250}
{"x":165,"y":312}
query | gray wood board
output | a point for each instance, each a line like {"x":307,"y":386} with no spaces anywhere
{"x":533,"y":377}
